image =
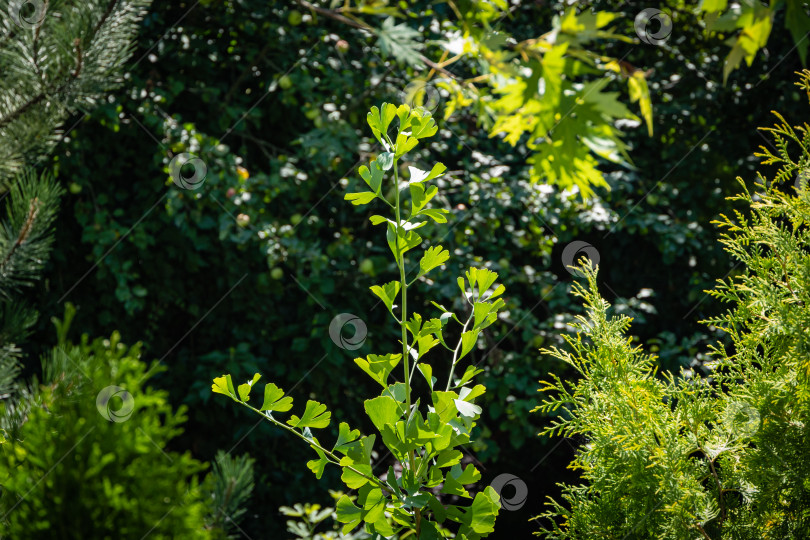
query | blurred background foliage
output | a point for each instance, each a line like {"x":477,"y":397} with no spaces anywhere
{"x":246,"y":273}
{"x":115,"y":475}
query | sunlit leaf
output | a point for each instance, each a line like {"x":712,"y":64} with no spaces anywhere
{"x":315,"y":416}
{"x":274,"y":399}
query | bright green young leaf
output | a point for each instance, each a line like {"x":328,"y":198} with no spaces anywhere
{"x":423,"y":126}
{"x":372,"y":176}
{"x":224,"y":385}
{"x":433,"y":326}
{"x":420,"y":197}
{"x":469,"y":394}
{"x":483,"y":278}
{"x":382,"y":410}
{"x":482,"y":312}
{"x":346,"y":435}
{"x":244,"y":389}
{"x":424,"y":344}
{"x":435,"y":478}
{"x":499,"y":290}
{"x":439,"y":215}
{"x":396,"y":392}
{"x":376,"y":220}
{"x":404,"y":115}
{"x":359,"y":199}
{"x":373,"y":503}
{"x":394,"y":443}
{"x":317,"y":466}
{"x":414,"y":325}
{"x":460,"y":282}
{"x":469,"y":475}
{"x":348,"y":513}
{"x":373,"y":119}
{"x":434,"y":257}
{"x":274,"y":399}
{"x":388,"y":113}
{"x":468,"y":340}
{"x":315,"y":416}
{"x":378,"y":367}
{"x":417,"y":176}
{"x":469,"y":373}
{"x":417,"y":431}
{"x":383,"y":528}
{"x":449,"y":458}
{"x":456,"y":479}
{"x":379,"y":121}
{"x":359,"y":452}
{"x":427,"y":371}
{"x":404,"y":144}
{"x":444,"y":406}
{"x":387,"y":293}
{"x":352,"y":476}
{"x":483,"y":511}
{"x":400,"y":240}
{"x":446,"y":313}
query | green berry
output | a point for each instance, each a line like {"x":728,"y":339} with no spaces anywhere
{"x":294,"y":18}
{"x":276,"y":273}
{"x":366,"y":266}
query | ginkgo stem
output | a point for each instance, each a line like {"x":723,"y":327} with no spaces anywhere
{"x":455,"y":353}
{"x":335,"y":460}
{"x":404,"y":317}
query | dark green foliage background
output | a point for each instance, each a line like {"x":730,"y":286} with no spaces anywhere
{"x":173,"y":269}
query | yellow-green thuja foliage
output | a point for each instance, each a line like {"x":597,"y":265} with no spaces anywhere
{"x":84,"y":452}
{"x":717,"y":454}
{"x":413,"y":499}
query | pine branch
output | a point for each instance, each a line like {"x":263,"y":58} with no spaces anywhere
{"x":25,"y":237}
{"x":70,"y":60}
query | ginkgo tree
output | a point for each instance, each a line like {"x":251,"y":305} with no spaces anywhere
{"x":424,"y":439}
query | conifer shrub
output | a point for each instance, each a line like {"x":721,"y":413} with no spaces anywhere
{"x":85,"y":455}
{"x":717,"y":453}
